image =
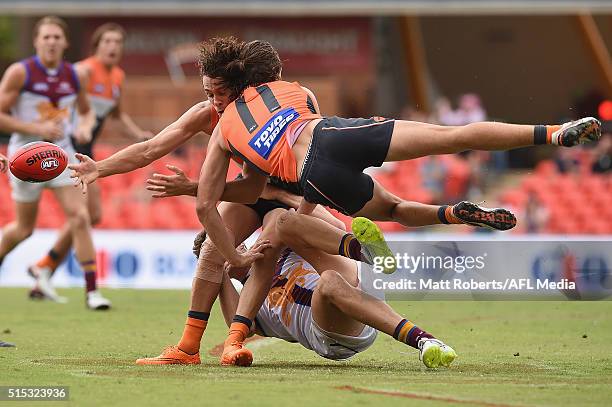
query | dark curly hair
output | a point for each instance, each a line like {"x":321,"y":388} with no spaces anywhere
{"x":239,"y":64}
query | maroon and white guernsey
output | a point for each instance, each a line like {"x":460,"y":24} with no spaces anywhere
{"x":46,"y":94}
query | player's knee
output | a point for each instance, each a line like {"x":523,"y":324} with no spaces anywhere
{"x":79,"y":218}
{"x":209,"y":252}
{"x":330,"y":285}
{"x":391,"y":205}
{"x":287,"y":224}
{"x":210,"y":263}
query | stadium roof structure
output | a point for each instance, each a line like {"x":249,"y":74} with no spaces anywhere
{"x":301,"y":7}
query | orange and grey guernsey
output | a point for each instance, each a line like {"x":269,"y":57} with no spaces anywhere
{"x":255,"y":126}
{"x":104,"y":86}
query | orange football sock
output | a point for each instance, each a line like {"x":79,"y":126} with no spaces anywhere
{"x":238,"y":333}
{"x":450,"y":216}
{"x":47,"y":261}
{"x":549,"y":131}
{"x":192,"y":335}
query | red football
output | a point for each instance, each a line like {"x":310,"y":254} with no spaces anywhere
{"x":38,"y":162}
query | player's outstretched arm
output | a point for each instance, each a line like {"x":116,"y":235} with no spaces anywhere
{"x":210,"y":190}
{"x":243,"y":190}
{"x":138,"y":155}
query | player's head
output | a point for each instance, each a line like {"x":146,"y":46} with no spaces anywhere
{"x":219,"y":56}
{"x":262,"y":63}
{"x":107,"y":43}
{"x":228,"y":66}
{"x":50,"y":37}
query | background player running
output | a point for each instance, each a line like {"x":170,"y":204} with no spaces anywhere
{"x":37,"y":97}
{"x":105,"y":82}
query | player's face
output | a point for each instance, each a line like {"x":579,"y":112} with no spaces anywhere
{"x":50,"y":43}
{"x":110,"y":48}
{"x":217,"y":93}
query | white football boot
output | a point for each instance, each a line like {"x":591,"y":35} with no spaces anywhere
{"x":43,"y":283}
{"x":95,"y":301}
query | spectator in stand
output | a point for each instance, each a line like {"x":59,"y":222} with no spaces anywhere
{"x":434,"y":173}
{"x":603,"y":152}
{"x":470,"y":110}
{"x":567,"y":161}
{"x":536,"y":214}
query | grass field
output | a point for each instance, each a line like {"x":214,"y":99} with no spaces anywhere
{"x":510,"y":354}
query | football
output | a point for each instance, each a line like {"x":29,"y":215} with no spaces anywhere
{"x":38,"y":162}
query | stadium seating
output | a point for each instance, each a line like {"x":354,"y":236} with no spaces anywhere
{"x":576,"y":203}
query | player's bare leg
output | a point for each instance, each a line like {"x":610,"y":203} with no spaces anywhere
{"x":320,"y":243}
{"x":384,"y":206}
{"x":253,"y":295}
{"x":74,"y":205}
{"x":340,"y":308}
{"x":241,"y":221}
{"x":365,"y":242}
{"x":413,"y":139}
{"x":20,"y":229}
{"x":44,"y":268}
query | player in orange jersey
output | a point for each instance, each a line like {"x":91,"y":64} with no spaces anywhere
{"x":275,"y":128}
{"x":240,"y":220}
{"x":260,"y":69}
{"x":105,"y":84}
{"x":38,"y":97}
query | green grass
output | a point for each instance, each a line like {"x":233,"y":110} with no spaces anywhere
{"x":93,"y":354}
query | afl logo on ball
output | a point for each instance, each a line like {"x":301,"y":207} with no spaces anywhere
{"x":49,"y":164}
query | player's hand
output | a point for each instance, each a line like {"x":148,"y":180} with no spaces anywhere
{"x":49,"y":130}
{"x":3,"y":163}
{"x":170,"y":185}
{"x":237,"y":272}
{"x":247,"y":258}
{"x":85,"y":172}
